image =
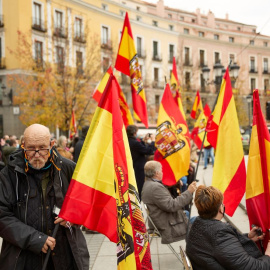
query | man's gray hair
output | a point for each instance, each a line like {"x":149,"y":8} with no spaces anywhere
{"x":151,"y":168}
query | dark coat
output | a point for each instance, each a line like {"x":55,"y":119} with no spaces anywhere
{"x":78,"y":149}
{"x":23,"y":216}
{"x":165,"y":211}
{"x":215,"y":245}
{"x":138,"y":151}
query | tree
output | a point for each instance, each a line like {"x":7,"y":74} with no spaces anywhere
{"x":47,"y":91}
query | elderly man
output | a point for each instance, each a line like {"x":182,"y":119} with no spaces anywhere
{"x":165,"y":211}
{"x":35,"y":180}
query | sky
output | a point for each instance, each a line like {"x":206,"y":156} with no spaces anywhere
{"x":253,"y":12}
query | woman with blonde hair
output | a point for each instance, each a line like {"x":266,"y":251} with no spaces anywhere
{"x":215,"y":245}
{"x":62,"y":147}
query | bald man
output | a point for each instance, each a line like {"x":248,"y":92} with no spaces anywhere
{"x":34,"y":182}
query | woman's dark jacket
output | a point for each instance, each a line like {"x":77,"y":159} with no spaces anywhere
{"x":215,"y":245}
{"x":138,"y":151}
{"x":27,"y":219}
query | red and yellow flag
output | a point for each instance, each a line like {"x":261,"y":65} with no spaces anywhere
{"x":175,"y":88}
{"x":229,"y":174}
{"x":198,"y":131}
{"x":102,"y":194}
{"x":126,"y":114}
{"x":127,"y":62}
{"x":258,"y":173}
{"x":172,"y":140}
{"x":197,"y":106}
{"x":72,"y":125}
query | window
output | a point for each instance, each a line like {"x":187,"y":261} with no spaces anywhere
{"x":122,"y":13}
{"x":202,"y":82}
{"x":201,"y":58}
{"x":138,"y":8}
{"x":155,"y":50}
{"x":182,"y":18}
{"x":60,"y":58}
{"x":265,"y":44}
{"x":251,"y":42}
{"x":169,"y":16}
{"x":105,"y":35}
{"x":104,"y":7}
{"x":105,"y":64}
{"x":187,"y":80}
{"x":39,"y":53}
{"x":193,"y":20}
{"x":186,"y":51}
{"x":254,"y":30}
{"x":252,"y":64}
{"x":266,"y":84}
{"x":216,"y":37}
{"x":231,"y":39}
{"x":171,"y":27}
{"x":201,"y":34}
{"x":217,"y":57}
{"x":157,"y":102}
{"x":186,"y":31}
{"x":232,"y":58}
{"x":156,"y":74}
{"x":265,"y":65}
{"x":139,"y":18}
{"x":155,"y":23}
{"x":171,"y":52}
{"x":37,"y":14}
{"x":79,"y":62}
{"x":239,"y":28}
{"x":59,"y":20}
{"x":78,"y":27}
{"x":139,"y":46}
{"x":252,"y":84}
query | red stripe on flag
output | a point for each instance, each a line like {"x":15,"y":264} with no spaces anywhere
{"x":235,"y":190}
{"x":123,"y":63}
{"x":94,"y":209}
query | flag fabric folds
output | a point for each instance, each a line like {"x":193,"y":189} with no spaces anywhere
{"x":198,"y":131}
{"x":258,"y":171}
{"x":172,"y":140}
{"x":127,"y":62}
{"x":72,"y":126}
{"x":229,"y":173}
{"x":102,"y":194}
{"x":197,"y":106}
{"x":126,"y":114}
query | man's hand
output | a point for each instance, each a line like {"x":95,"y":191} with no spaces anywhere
{"x":62,"y":222}
{"x":50,"y":242}
{"x":192,"y":187}
{"x":253,"y":235}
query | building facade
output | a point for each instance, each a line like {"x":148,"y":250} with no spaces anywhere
{"x":159,"y":32}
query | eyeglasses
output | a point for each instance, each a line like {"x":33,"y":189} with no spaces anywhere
{"x":41,"y":152}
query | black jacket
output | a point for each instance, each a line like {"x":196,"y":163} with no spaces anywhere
{"x":215,"y":245}
{"x":138,"y":151}
{"x":26,"y":222}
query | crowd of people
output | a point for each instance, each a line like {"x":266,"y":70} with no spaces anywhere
{"x":36,"y":179}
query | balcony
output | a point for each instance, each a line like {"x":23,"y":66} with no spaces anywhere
{"x":157,"y":57}
{"x":38,"y":24}
{"x":78,"y":37}
{"x":158,"y":84}
{"x":265,"y":71}
{"x":106,"y":44}
{"x":141,"y":54}
{"x":253,"y":70}
{"x":188,"y":62}
{"x":1,"y":21}
{"x":2,"y":63}
{"x":60,"y":32}
{"x":39,"y":64}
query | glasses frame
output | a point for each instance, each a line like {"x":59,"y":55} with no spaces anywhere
{"x":36,"y":151}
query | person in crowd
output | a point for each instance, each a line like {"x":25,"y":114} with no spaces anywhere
{"x":6,"y":139}
{"x":36,"y":180}
{"x":62,"y":147}
{"x":7,"y":150}
{"x":215,"y":245}
{"x":73,"y":143}
{"x":166,"y":212}
{"x":79,"y":144}
{"x":139,"y":150}
{"x":208,"y":152}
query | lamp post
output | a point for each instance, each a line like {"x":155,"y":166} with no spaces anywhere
{"x":249,"y":100}
{"x":218,"y":69}
{"x":234,"y":71}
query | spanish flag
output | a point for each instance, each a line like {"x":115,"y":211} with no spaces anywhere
{"x":197,"y":106}
{"x":198,"y":131}
{"x":126,"y":114}
{"x":258,"y":173}
{"x":229,"y":174}
{"x":175,"y":88}
{"x":102,"y":194}
{"x":127,"y":62}
{"x":172,"y":140}
{"x":72,"y":125}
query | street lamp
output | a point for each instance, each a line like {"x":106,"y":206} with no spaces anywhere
{"x":234,"y":71}
{"x":249,"y":100}
{"x":218,"y":71}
